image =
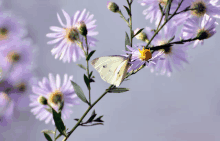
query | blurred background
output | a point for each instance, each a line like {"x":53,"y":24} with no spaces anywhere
{"x":183,"y":107}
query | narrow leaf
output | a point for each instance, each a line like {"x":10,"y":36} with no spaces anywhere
{"x":86,"y":79}
{"x":131,"y":2}
{"x":169,"y":2}
{"x":49,"y":110}
{"x":170,"y":40}
{"x":139,"y":31}
{"x":127,"y":41}
{"x":161,"y":9}
{"x":48,"y":131}
{"x":81,"y":66}
{"x":127,"y":9}
{"x":48,"y":137}
{"x":90,"y":74}
{"x":119,"y":90}
{"x":59,"y":122}
{"x":79,"y":92}
{"x":98,"y":119}
{"x":92,"y":117}
{"x":76,"y":119}
{"x":90,"y":55}
{"x":91,"y":80}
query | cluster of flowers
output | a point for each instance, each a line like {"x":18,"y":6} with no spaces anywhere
{"x":195,"y":17}
{"x":16,"y":66}
{"x":69,"y":47}
{"x":197,"y":20}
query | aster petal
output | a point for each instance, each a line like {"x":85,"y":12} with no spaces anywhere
{"x":58,"y":81}
{"x":59,"y":19}
{"x":68,"y":20}
{"x":52,"y":81}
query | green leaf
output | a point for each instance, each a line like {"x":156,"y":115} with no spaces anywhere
{"x":60,"y":105}
{"x":127,"y":9}
{"x":170,"y":40}
{"x":48,"y":131}
{"x":91,"y":80}
{"x":131,"y":2}
{"x":161,"y":9}
{"x":92,"y":117}
{"x":169,"y":2}
{"x":59,"y":122}
{"x":118,"y":90}
{"x":49,"y":110}
{"x":90,"y":55}
{"x":90,"y":74}
{"x":86,"y":79}
{"x":98,"y":119}
{"x":48,"y":137}
{"x":79,"y":92}
{"x":127,"y":41}
{"x":139,"y":31}
{"x":81,"y":66}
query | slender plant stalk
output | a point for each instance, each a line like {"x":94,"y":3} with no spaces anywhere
{"x":55,"y":134}
{"x":130,"y":25}
{"x":87,"y":62}
{"x":163,"y":24}
{"x":87,"y":111}
{"x":123,"y":17}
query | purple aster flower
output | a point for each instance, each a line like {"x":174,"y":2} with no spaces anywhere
{"x":6,"y":109}
{"x":153,"y":11}
{"x":203,"y":28}
{"x":204,"y":7}
{"x":68,"y":38}
{"x":173,"y":55}
{"x":139,"y":57}
{"x":11,"y":28}
{"x":52,"y":92}
{"x":16,"y":58}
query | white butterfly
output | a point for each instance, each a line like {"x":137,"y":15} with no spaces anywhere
{"x":112,"y":69}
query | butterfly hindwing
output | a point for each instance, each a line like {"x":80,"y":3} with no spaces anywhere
{"x":109,"y":67}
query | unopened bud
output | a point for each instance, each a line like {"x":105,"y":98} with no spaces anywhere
{"x":42,"y":100}
{"x":81,"y":26}
{"x":203,"y":34}
{"x":113,"y":7}
{"x":141,"y":36}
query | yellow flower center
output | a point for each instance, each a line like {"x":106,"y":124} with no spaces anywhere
{"x":145,"y":54}
{"x":13,"y":57}
{"x":72,"y":35}
{"x":55,"y":98}
{"x":3,"y":33}
{"x":199,"y":8}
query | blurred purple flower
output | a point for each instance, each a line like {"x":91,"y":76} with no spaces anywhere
{"x":6,"y":109}
{"x":203,"y":7}
{"x":153,"y":11}
{"x":174,"y":55}
{"x":16,"y":59}
{"x":203,"y":28}
{"x":68,"y":38}
{"x":11,"y":28}
{"x":54,"y":93}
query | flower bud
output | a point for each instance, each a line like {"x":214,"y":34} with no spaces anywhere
{"x":42,"y":100}
{"x":81,"y":26}
{"x":141,"y":36}
{"x":113,"y":7}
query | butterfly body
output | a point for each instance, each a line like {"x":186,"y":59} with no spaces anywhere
{"x":112,"y":69}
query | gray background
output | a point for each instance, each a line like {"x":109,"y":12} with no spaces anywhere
{"x":184,"y":107}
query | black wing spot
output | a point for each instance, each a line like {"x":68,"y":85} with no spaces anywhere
{"x":104,"y":66}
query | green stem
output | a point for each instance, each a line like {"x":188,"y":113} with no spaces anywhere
{"x":163,"y":24}
{"x":87,"y":111}
{"x":130,"y":25}
{"x":122,"y":16}
{"x":87,"y":62}
{"x":55,"y":134}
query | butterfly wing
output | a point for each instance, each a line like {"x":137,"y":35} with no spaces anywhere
{"x":121,"y":72}
{"x":107,"y":67}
